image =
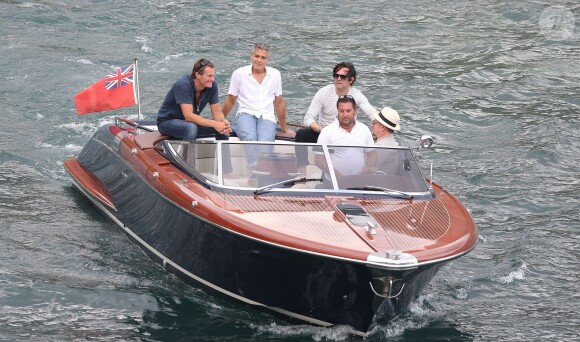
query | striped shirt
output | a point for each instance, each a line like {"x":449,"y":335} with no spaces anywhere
{"x":323,"y":106}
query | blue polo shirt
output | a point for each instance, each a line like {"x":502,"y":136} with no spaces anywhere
{"x":183,"y":91}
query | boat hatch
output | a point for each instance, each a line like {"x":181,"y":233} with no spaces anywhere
{"x":356,"y":215}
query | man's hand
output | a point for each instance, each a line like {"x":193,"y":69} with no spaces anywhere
{"x":288,"y":132}
{"x":223,"y":127}
{"x":369,"y":169}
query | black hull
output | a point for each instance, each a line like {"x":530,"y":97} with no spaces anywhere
{"x":315,"y":288}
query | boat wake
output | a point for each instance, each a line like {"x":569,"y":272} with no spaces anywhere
{"x":336,"y":333}
{"x":518,"y":274}
{"x":420,"y":315}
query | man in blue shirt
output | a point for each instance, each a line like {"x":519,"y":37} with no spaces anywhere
{"x":179,"y":116}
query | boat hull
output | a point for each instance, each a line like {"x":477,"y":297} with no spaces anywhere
{"x":319,"y":289}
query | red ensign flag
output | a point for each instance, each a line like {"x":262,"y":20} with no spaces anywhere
{"x":116,"y":90}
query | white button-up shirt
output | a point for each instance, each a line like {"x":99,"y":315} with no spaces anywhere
{"x":255,"y":98}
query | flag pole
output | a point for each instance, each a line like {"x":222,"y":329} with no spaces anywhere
{"x":137,"y":86}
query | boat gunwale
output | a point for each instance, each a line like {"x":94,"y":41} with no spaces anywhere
{"x":266,"y":235}
{"x":376,"y":265}
{"x":127,"y":146}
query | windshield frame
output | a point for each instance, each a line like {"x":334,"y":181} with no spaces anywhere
{"x":215,"y":179}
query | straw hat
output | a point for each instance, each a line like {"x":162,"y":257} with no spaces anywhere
{"x":388,"y":117}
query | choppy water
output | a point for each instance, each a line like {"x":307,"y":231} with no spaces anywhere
{"x":495,"y":82}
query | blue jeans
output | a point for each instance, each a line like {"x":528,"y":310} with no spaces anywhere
{"x":251,"y":128}
{"x":181,"y":129}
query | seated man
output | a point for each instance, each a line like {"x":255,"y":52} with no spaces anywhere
{"x":347,"y":131}
{"x":258,"y":90}
{"x":385,"y":123}
{"x":179,"y":116}
{"x":322,"y":109}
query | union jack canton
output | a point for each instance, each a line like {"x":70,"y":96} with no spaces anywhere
{"x":122,"y":77}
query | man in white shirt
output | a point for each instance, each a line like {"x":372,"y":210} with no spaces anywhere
{"x":322,"y":110}
{"x":258,"y":90}
{"x":347,"y":131}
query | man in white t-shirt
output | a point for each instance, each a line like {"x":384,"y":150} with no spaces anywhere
{"x":258,"y":90}
{"x":345,"y":130}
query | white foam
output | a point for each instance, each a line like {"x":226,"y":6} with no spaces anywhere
{"x":398,"y":327}
{"x":166,"y":60}
{"x":418,"y":316}
{"x":461,"y":293}
{"x":45,"y":145}
{"x":28,"y":5}
{"x":144,"y":47}
{"x":73,"y":147}
{"x":78,"y":126}
{"x":335,"y":333}
{"x":518,"y":274}
{"x":78,"y":60}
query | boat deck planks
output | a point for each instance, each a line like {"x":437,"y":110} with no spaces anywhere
{"x":404,"y":225}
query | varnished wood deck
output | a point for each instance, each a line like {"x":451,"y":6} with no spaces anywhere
{"x":403,"y":225}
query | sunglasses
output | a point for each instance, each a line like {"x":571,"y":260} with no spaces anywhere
{"x":202,"y":64}
{"x":337,"y":76}
{"x":345,"y":97}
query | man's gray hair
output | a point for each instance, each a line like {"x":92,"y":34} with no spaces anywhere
{"x":262,"y":46}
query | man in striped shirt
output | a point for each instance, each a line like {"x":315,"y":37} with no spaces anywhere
{"x":322,"y":111}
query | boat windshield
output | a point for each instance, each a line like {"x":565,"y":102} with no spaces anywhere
{"x":265,"y":167}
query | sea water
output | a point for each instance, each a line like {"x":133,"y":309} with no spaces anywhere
{"x":495,"y":83}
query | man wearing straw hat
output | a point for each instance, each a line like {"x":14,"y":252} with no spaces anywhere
{"x":385,"y":122}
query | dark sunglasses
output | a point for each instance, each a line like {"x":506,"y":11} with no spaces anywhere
{"x":342,"y":77}
{"x":345,"y":97}
{"x":202,"y":64}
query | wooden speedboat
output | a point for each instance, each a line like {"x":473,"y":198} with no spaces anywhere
{"x":309,"y":242}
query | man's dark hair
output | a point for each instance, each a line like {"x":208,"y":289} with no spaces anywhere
{"x":346,"y":99}
{"x":351,"y":70}
{"x":200,"y":66}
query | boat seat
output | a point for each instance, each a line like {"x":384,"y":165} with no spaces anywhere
{"x":149,"y":139}
{"x":204,"y":158}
